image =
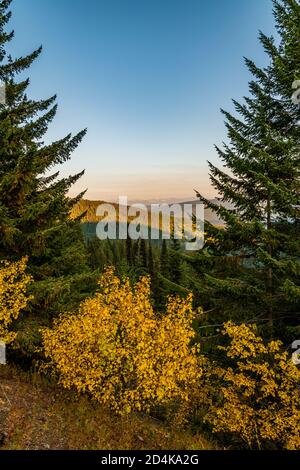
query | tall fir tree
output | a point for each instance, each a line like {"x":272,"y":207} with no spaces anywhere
{"x":164,"y":259}
{"x":129,"y":250}
{"x":151,"y":266}
{"x":34,"y":202}
{"x":254,"y":259}
{"x":155,"y":283}
{"x":143,"y":256}
{"x":175,"y":262}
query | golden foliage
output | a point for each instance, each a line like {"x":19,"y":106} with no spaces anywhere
{"x":13,"y":299}
{"x":259,"y":398}
{"x":120,"y":352}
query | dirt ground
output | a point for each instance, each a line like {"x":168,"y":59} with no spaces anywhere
{"x":37,"y":415}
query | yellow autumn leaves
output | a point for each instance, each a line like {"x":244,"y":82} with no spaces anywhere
{"x":258,"y":396}
{"x":13,"y":299}
{"x":121,"y":352}
{"x":126,"y":356}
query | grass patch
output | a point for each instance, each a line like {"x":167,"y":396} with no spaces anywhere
{"x":36,"y":414}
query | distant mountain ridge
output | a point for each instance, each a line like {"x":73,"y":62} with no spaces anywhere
{"x":90,"y":207}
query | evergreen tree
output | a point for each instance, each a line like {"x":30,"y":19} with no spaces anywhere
{"x":254,"y":260}
{"x":135,"y":252}
{"x":155,"y":283}
{"x":34,"y":207}
{"x":143,"y":255}
{"x":129,"y":249}
{"x":164,"y":259}
{"x":151,"y":266}
{"x":170,"y":275}
{"x":175,"y":262}
{"x":96,"y":254}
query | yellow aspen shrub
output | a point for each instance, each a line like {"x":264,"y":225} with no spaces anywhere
{"x":258,"y":393}
{"x":13,"y":298}
{"x":122,"y":353}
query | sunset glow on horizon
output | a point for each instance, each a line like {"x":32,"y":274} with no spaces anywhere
{"x":149,"y":87}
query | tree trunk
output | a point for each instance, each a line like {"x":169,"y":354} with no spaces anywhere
{"x":269,"y":271}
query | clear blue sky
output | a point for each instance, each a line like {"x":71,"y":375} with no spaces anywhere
{"x":147,"y":78}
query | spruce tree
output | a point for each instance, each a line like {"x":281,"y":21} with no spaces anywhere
{"x":155,"y":282}
{"x":175,"y":262}
{"x":170,"y":274}
{"x":254,"y":259}
{"x":136,"y":252}
{"x":129,"y":249}
{"x":34,"y":202}
{"x":151,"y":267}
{"x":143,"y":255}
{"x":164,"y":259}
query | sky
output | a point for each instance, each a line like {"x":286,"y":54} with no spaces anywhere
{"x":147,"y":78}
